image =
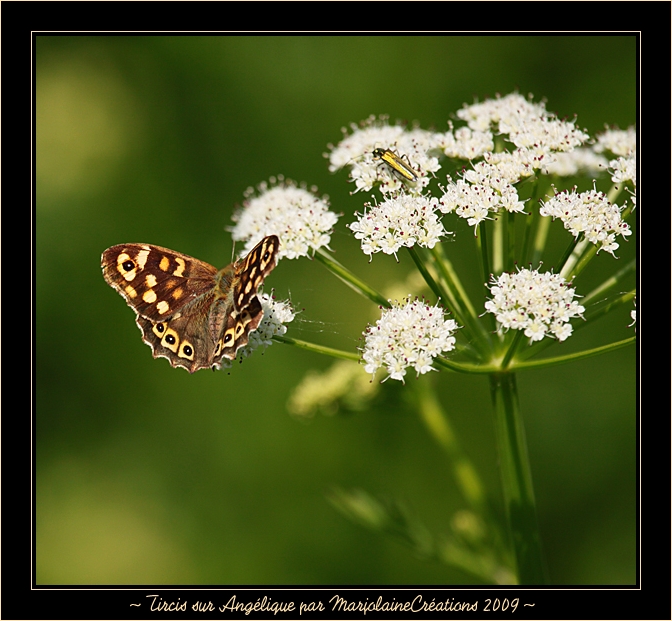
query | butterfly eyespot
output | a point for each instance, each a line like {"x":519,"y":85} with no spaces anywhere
{"x":227,"y":337}
{"x":186,"y":351}
{"x":127,"y":266}
{"x":159,"y":329}
{"x":218,"y":348}
{"x":171,"y":340}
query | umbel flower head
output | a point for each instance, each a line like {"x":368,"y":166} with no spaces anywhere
{"x":617,"y":141}
{"x":409,"y":335}
{"x":540,"y":303}
{"x":526,"y":124}
{"x":589,"y":213}
{"x":301,"y":220}
{"x":366,"y":170}
{"x":404,"y":220}
{"x":542,"y":144}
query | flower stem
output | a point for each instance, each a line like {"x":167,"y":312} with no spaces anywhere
{"x":460,"y":303}
{"x":596,"y":351}
{"x":429,"y":279}
{"x":439,"y":426}
{"x":610,"y":282}
{"x":350,"y":279}
{"x":319,"y":349}
{"x":517,"y":480}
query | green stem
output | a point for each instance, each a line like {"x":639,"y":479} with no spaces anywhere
{"x":498,"y":244}
{"x":531,"y":223}
{"x":568,"y":253}
{"x":319,"y":349}
{"x":439,"y":426}
{"x":429,"y":279}
{"x":578,"y":259}
{"x":460,"y":304}
{"x":482,"y":244}
{"x":510,"y":352}
{"x":596,"y":351}
{"x":517,"y":480}
{"x":540,"y":239}
{"x":610,"y":282}
{"x":350,"y":279}
{"x":447,"y":271}
{"x":511,"y":240}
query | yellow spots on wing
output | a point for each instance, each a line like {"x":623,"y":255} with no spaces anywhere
{"x":150,"y":280}
{"x":163,"y":307}
{"x":181,"y":265}
{"x":142,"y":257}
{"x":164,"y":264}
{"x":149,"y":296}
{"x":177,"y":294}
{"x":130,"y":292}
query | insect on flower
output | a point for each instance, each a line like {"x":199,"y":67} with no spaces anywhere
{"x":397,"y":164}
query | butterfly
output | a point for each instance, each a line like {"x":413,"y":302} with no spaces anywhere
{"x":189,"y":311}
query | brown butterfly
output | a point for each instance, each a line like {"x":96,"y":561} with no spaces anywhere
{"x":187,"y":310}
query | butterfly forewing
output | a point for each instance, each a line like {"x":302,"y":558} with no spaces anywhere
{"x":156,"y":282}
{"x":253,"y":269}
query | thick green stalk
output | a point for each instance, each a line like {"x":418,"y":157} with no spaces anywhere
{"x":516,"y":476}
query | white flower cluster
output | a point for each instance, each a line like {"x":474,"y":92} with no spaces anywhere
{"x":589,"y":213}
{"x":617,"y":141}
{"x":276,"y":315}
{"x":488,"y":187}
{"x":528,"y":125}
{"x":541,"y":304}
{"x":465,"y":143}
{"x":582,"y":160}
{"x":397,"y":222}
{"x":540,"y":139}
{"x":300,"y":219}
{"x":624,"y":169}
{"x":366,"y":170}
{"x":410,"y":334}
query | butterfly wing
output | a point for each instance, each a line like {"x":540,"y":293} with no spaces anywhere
{"x":171,"y":294}
{"x":239,"y":311}
{"x":156,"y":282}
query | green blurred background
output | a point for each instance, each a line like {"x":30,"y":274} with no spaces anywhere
{"x":145,"y":474}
